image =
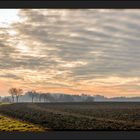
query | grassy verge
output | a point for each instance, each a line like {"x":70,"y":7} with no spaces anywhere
{"x":9,"y":124}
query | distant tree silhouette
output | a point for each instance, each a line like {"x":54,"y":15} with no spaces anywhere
{"x":6,"y":100}
{"x":48,"y":97}
{"x":41,"y":96}
{"x":19,"y":92}
{"x":12,"y":92}
{"x":44,"y":96}
{"x":15,"y":92}
{"x":32,"y":94}
{"x":66,"y":98}
{"x":89,"y":99}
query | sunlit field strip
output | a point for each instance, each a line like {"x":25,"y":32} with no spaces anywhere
{"x":9,"y":124}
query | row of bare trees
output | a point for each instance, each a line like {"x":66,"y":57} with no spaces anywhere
{"x":41,"y":96}
{"x":47,"y":97}
{"x":15,"y":93}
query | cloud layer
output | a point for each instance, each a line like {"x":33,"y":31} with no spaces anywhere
{"x":74,"y":51}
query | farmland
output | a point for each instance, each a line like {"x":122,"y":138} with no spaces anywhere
{"x":76,"y":116}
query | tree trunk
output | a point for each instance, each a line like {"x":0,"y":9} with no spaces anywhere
{"x":13,"y":99}
{"x":39,"y":99}
{"x":17,"y":98}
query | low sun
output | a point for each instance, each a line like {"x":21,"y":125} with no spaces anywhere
{"x":8,"y":16}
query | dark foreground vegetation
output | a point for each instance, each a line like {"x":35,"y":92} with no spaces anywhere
{"x":77,"y":116}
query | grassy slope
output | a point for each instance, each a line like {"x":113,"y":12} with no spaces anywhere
{"x":10,"y":124}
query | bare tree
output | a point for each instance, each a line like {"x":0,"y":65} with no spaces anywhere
{"x":89,"y":99}
{"x":32,"y":94}
{"x":49,"y":97}
{"x":18,"y":93}
{"x":45,"y":97}
{"x":40,"y":96}
{"x":12,"y":92}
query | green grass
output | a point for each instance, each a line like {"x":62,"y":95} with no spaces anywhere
{"x":9,"y":124}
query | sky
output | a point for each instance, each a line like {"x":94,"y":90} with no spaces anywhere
{"x":91,"y":51}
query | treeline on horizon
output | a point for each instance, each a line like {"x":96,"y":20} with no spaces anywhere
{"x":17,"y":95}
